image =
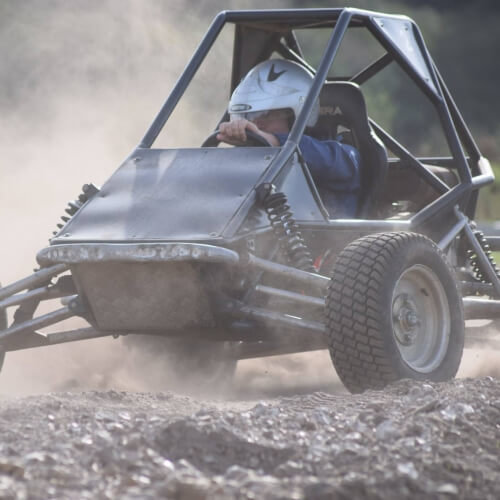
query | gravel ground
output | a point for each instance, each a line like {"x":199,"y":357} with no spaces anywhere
{"x":412,"y":440}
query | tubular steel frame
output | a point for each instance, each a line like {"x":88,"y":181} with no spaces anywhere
{"x":452,"y":122}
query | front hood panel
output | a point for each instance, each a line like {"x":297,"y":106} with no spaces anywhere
{"x":178,"y":194}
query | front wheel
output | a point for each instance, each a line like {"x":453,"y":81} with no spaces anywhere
{"x":393,"y":311}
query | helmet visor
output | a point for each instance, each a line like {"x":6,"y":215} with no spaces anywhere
{"x":250,"y":116}
{"x":263,"y":115}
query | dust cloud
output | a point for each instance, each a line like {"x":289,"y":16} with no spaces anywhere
{"x":80,"y":83}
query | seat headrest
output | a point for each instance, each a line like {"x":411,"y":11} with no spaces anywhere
{"x":344,"y":103}
{"x":345,"y":99}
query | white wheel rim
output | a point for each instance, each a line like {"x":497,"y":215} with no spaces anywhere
{"x":421,"y":319}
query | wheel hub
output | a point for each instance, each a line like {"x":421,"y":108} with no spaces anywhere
{"x":420,"y":318}
{"x":406,"y":319}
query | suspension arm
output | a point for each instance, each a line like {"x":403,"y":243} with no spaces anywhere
{"x":316,"y":281}
{"x":35,"y":279}
{"x":42,"y":293}
{"x":39,"y":322}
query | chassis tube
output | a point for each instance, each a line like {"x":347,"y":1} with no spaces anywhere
{"x":40,"y":322}
{"x":447,"y":200}
{"x":460,"y":124}
{"x":317,"y":281}
{"x":37,"y":339}
{"x":452,"y":234}
{"x":35,"y":279}
{"x":279,"y":319}
{"x":454,"y":231}
{"x":413,"y":162}
{"x":183,"y":81}
{"x":73,"y":335}
{"x":486,"y":176}
{"x":43,"y":293}
{"x":327,"y":60}
{"x":475,"y":308}
{"x":304,"y":343}
{"x":291,"y":296}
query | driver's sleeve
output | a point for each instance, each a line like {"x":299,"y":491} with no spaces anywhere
{"x":335,"y":168}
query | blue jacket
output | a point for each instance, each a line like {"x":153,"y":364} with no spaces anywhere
{"x":335,"y":168}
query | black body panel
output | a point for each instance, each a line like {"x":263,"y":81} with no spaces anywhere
{"x":185,"y":194}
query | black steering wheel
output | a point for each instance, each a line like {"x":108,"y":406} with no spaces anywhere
{"x":253,"y":140}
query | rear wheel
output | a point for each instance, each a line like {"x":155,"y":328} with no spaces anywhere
{"x":393,"y":311}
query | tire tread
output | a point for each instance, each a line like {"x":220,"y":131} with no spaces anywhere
{"x":354,"y":309}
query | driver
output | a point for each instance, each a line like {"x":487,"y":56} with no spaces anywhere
{"x":266,"y":102}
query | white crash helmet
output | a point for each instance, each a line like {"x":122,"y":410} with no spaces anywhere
{"x":272,"y":84}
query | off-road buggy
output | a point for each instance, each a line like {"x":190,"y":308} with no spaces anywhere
{"x":229,"y":253}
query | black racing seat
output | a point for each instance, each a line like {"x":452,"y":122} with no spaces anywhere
{"x":342,"y":106}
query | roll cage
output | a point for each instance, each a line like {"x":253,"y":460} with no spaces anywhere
{"x":260,"y":33}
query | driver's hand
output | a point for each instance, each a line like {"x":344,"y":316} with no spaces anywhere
{"x":235,"y":133}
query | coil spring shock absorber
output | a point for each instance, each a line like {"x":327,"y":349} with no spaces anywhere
{"x":474,"y":261}
{"x":88,"y":191}
{"x":285,"y":228}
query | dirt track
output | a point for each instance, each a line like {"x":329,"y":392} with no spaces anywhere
{"x":413,"y":440}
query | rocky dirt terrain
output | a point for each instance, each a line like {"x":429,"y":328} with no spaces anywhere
{"x":412,"y":440}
